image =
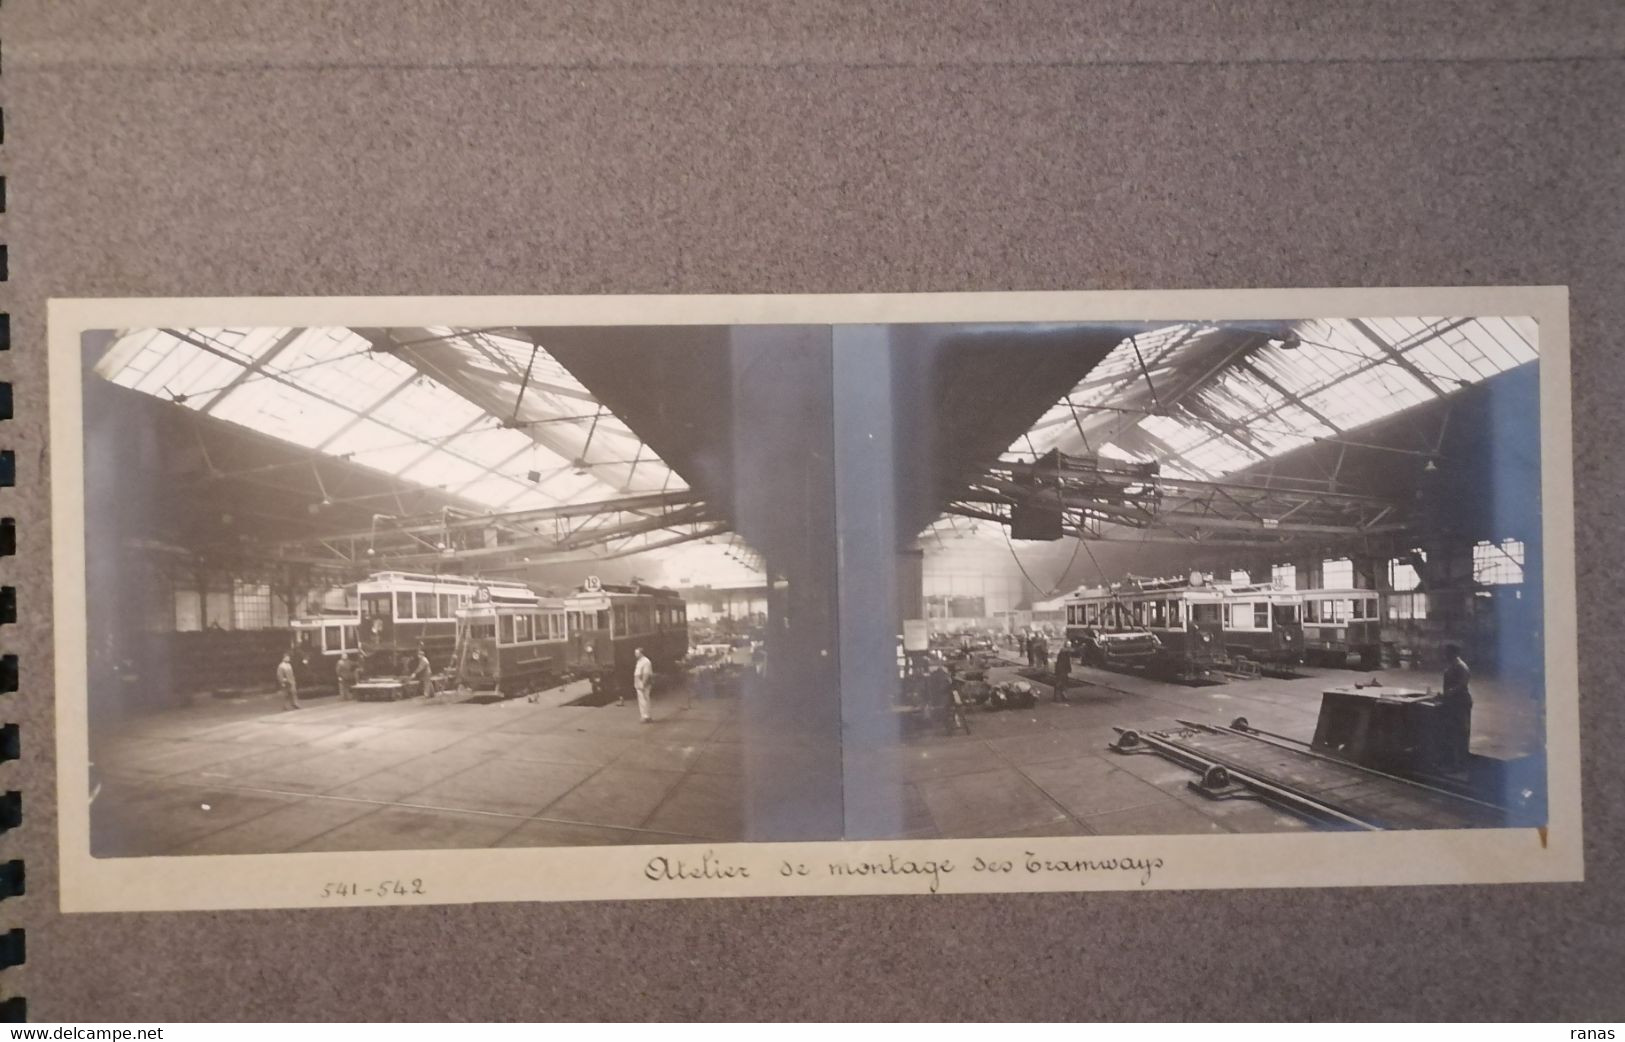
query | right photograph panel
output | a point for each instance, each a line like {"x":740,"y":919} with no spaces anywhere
{"x":1190,"y":577}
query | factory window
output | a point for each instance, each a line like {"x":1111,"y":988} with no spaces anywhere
{"x":1284,"y":576}
{"x":1261,"y":615}
{"x":1402,"y":573}
{"x":1337,"y":574}
{"x":1498,"y":564}
{"x":1408,"y":606}
{"x":250,"y":606}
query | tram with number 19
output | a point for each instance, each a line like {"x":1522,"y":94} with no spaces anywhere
{"x":510,"y":642}
{"x":608,"y":623}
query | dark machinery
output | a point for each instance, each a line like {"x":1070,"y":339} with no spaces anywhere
{"x":1372,"y":765}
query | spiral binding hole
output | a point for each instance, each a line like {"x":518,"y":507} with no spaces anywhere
{"x":12,"y":879}
{"x":13,"y":951}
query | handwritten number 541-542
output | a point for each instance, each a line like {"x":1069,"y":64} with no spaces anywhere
{"x":386,"y":888}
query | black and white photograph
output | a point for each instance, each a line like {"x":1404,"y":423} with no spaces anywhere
{"x":1210,"y":577}
{"x":695,"y":590}
{"x":380,"y":588}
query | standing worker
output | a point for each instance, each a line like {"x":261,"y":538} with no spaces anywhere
{"x":1063,"y":670}
{"x":346,"y":672}
{"x":287,"y":682}
{"x":1456,"y":704}
{"x":423,"y":673}
{"x":643,"y":677}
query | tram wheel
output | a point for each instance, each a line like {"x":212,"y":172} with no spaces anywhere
{"x":1240,"y":724}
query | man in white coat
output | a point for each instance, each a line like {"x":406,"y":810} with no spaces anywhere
{"x":643,"y":678}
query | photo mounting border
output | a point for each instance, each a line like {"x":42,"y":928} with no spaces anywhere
{"x":1553,"y":853}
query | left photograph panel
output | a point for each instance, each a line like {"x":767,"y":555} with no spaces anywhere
{"x":361,"y":589}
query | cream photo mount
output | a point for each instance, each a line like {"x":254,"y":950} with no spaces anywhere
{"x":1552,"y":853}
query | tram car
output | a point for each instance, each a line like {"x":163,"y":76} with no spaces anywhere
{"x":1342,"y":627}
{"x":318,"y":641}
{"x":1166,"y":626}
{"x":402,"y":612}
{"x":510,"y":642}
{"x":608,"y":623}
{"x":1261,"y":624}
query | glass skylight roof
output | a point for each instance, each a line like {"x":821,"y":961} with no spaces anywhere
{"x":1208,"y":402}
{"x":443,"y":410}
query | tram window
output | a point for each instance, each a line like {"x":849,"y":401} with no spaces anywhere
{"x":1139,"y":613}
{"x":403,"y":606}
{"x":375,"y":604}
{"x":332,"y":638}
{"x":1309,"y":613}
{"x":1371,"y":607}
{"x":1208,"y":613}
{"x":1224,"y":611}
{"x":1158,"y":615}
{"x":1261,"y":615}
{"x":1359,"y":608}
{"x":445,"y":605}
{"x":1327,"y":613}
{"x":1286,"y":613}
{"x":425,"y":605}
{"x":1173,"y":614}
{"x":505,"y":629}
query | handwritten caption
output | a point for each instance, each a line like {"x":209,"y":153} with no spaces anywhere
{"x":380,"y":889}
{"x":929,"y":872}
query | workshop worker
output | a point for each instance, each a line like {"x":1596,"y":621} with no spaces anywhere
{"x":1043,"y":652}
{"x":1063,"y":670}
{"x":423,"y":673}
{"x":643,"y":678}
{"x":1457,"y":705}
{"x":1029,"y":647}
{"x":346,"y":672}
{"x":287,"y":682}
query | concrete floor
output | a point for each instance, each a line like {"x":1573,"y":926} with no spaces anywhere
{"x":246,"y":777}
{"x":1047,"y":771}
